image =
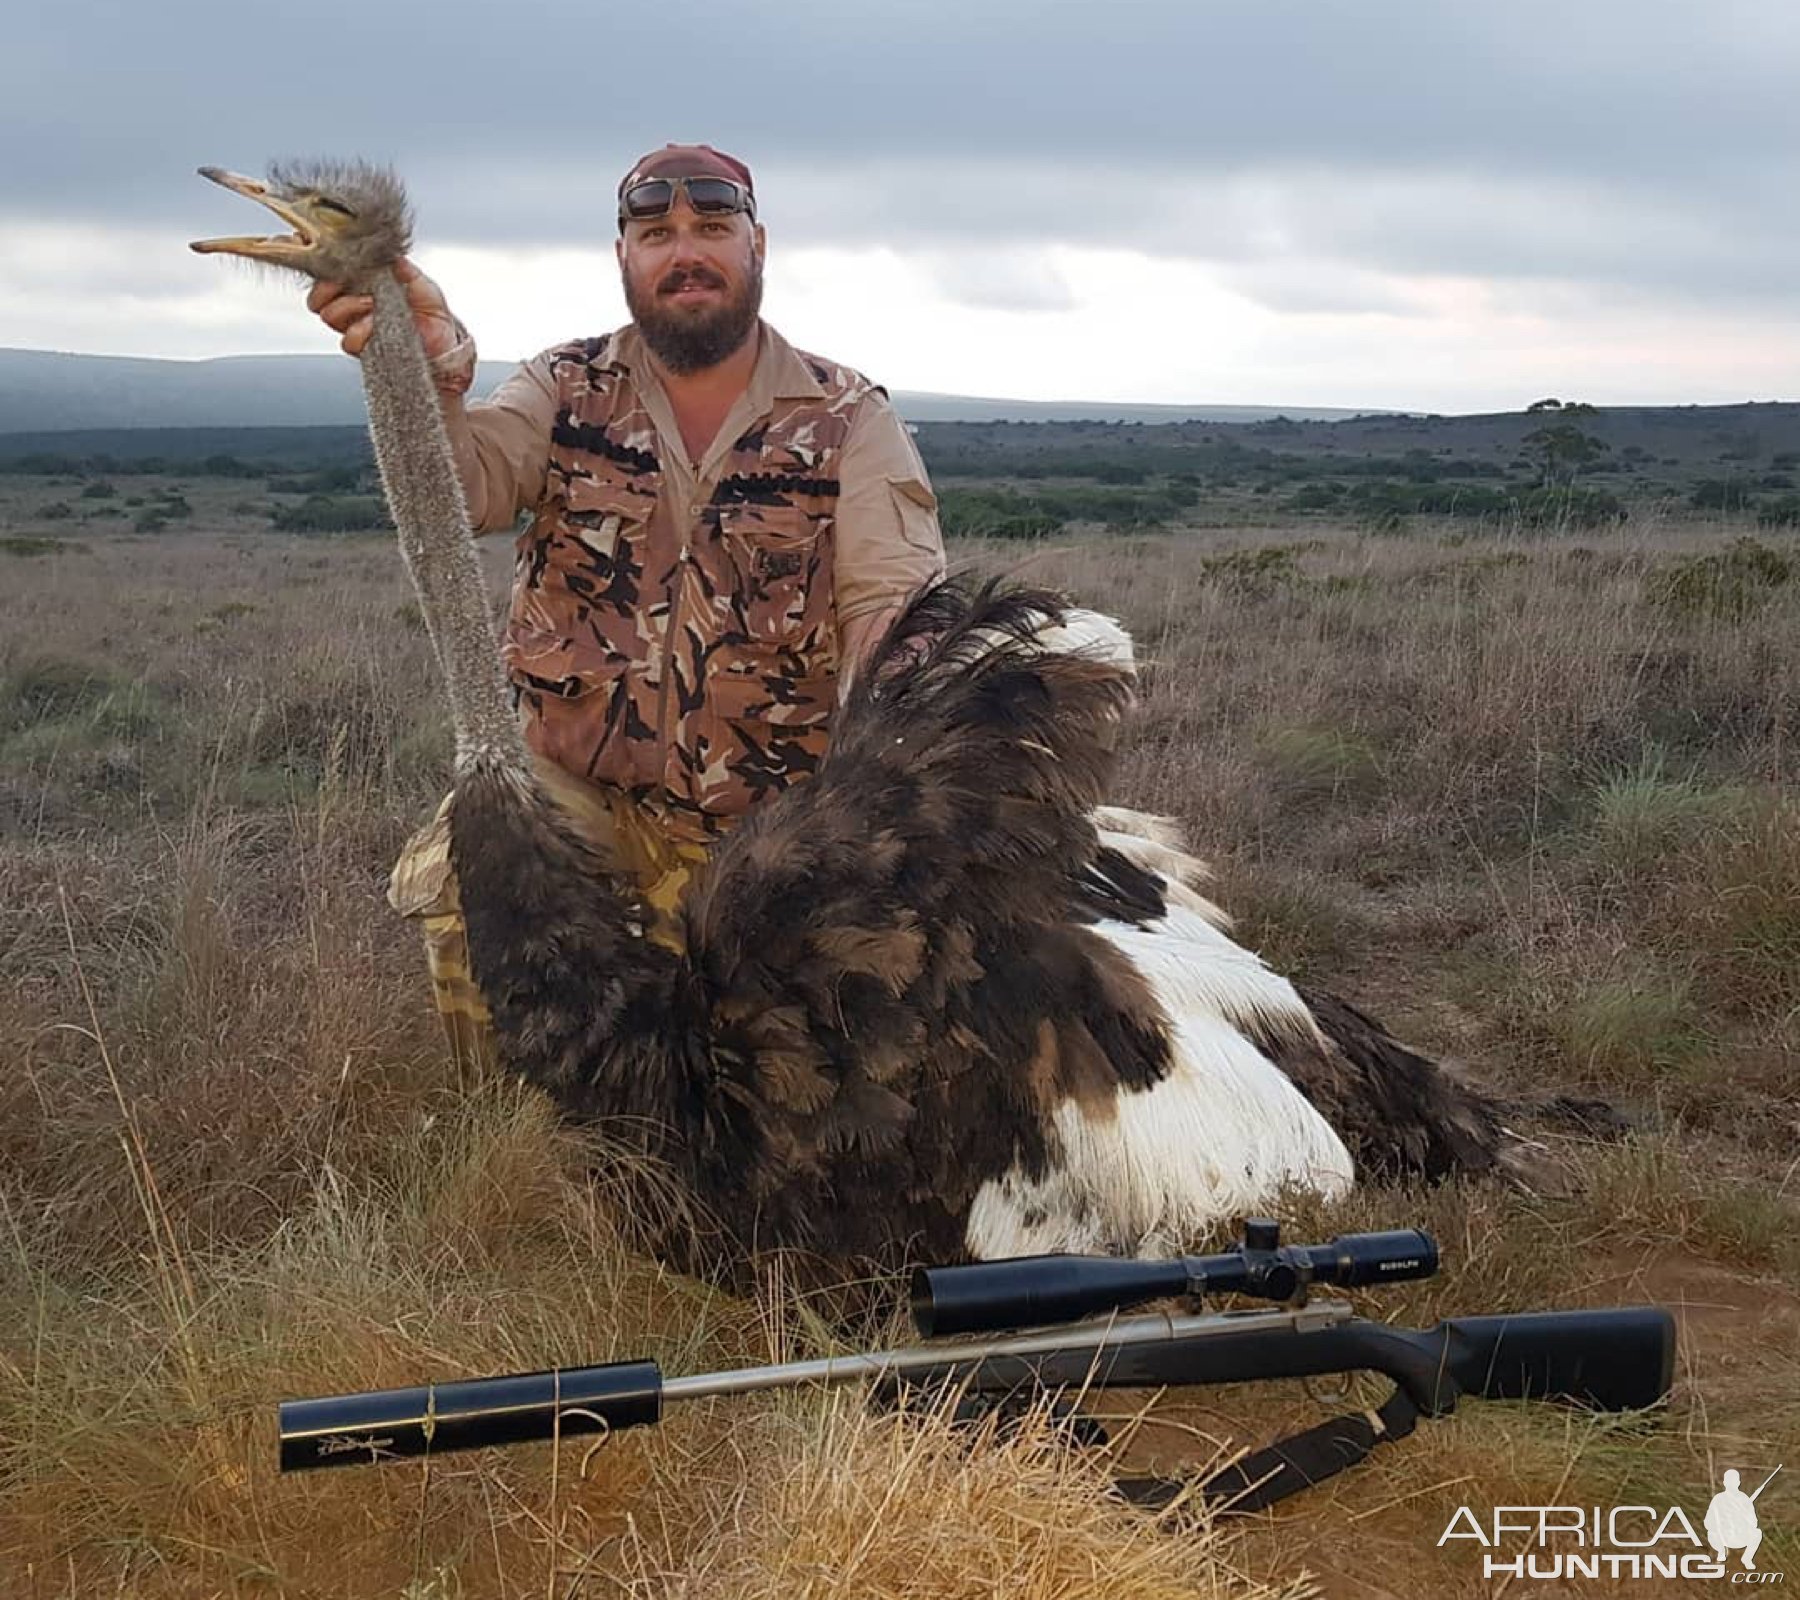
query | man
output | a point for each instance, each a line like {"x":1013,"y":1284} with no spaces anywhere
{"x":722,"y":528}
{"x":1731,"y":1521}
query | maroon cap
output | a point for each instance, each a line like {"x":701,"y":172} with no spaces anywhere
{"x":688,"y":161}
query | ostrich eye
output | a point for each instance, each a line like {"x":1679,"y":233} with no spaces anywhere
{"x":325,"y":203}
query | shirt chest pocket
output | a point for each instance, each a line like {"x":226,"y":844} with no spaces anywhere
{"x":605,"y":520}
{"x":777,"y":567}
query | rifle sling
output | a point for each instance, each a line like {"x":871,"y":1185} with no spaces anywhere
{"x":1287,"y":1466}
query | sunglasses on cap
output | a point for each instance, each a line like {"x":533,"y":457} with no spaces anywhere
{"x":715,"y":197}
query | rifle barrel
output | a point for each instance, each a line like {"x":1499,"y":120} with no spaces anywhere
{"x":951,"y":1361}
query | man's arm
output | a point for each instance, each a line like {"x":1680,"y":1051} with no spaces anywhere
{"x":501,"y":444}
{"x":888,"y":540}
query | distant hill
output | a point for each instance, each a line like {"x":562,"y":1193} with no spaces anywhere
{"x":1729,"y":440}
{"x":45,"y":391}
{"x":919,"y":406}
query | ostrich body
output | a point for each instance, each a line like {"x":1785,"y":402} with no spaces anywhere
{"x":937,"y":1002}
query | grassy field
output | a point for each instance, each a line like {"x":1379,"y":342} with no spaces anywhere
{"x":1530,"y":800}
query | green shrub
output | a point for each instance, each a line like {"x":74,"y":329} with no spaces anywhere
{"x":334,"y":513}
{"x":1783,"y":512}
{"x":345,"y":479}
{"x":1384,"y":502}
{"x":1750,"y":910}
{"x":1629,"y":1027}
{"x":1727,"y":584}
{"x":55,"y":701}
{"x":55,"y":687}
{"x":1644,"y":813}
{"x":1316,"y":497}
{"x":1722,"y":494}
{"x":1313,"y":763}
{"x":229,"y":466}
{"x":1252,"y":572}
{"x":1297,"y":922}
{"x":1570,"y":508}
{"x":1648,"y":1184}
{"x":992,"y":513}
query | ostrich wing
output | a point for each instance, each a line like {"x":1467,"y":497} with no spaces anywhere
{"x":893,"y":959}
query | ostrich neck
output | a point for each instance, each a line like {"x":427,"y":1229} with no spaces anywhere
{"x":424,"y":494}
{"x":587,"y":1007}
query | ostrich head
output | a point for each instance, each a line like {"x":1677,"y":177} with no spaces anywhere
{"x":349,"y":220}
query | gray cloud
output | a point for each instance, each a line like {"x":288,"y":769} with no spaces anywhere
{"x":1323,"y":288}
{"x":1000,"y":280}
{"x":1645,"y":143}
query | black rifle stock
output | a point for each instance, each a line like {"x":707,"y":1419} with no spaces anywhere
{"x":1611,"y":1360}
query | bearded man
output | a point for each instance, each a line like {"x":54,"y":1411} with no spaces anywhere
{"x":721,"y":528}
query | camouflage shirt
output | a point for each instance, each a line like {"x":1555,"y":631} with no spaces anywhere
{"x":675,"y":626}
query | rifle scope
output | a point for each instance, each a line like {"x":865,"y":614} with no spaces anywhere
{"x":1032,"y":1290}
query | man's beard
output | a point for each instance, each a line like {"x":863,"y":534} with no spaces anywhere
{"x":687,"y":342}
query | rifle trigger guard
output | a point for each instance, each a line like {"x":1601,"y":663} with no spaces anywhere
{"x":1326,"y":1397}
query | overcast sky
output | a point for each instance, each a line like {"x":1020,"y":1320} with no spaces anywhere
{"x":1412,"y":203}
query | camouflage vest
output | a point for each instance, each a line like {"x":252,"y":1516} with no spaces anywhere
{"x":687,"y":655}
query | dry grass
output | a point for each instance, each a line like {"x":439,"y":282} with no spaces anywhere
{"x":1530,"y":801}
{"x":895,"y":1506}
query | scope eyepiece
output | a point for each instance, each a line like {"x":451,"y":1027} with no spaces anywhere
{"x":1033,"y":1290}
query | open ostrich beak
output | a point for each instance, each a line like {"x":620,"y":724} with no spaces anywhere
{"x":280,"y":250}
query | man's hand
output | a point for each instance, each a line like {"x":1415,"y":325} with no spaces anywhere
{"x":353,"y":315}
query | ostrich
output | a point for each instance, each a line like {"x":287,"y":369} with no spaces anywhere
{"x":936,"y":1003}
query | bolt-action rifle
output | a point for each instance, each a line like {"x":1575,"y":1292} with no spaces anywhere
{"x":1611,"y":1360}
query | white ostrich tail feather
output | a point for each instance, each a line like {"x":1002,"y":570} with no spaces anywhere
{"x":1149,"y":825}
{"x":1089,"y":633}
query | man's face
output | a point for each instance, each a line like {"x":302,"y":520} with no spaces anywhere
{"x":693,"y":283}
